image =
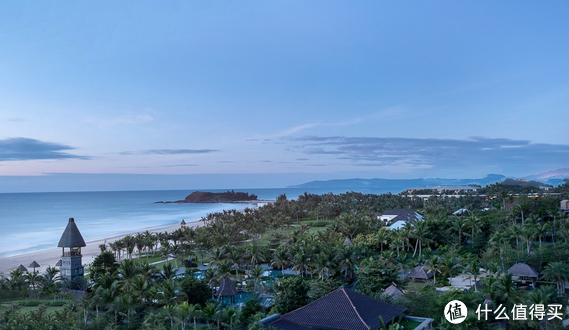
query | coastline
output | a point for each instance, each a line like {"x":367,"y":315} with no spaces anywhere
{"x":50,"y":257}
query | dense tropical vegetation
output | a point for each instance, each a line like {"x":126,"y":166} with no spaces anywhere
{"x":327,"y":241}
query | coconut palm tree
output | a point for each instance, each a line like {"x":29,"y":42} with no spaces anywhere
{"x":280,"y":258}
{"x":557,"y":271}
{"x":473,"y":268}
{"x":433,"y":264}
{"x":449,"y":266}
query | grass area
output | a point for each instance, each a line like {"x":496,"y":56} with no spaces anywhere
{"x":26,"y":305}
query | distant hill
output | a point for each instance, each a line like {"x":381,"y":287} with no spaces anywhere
{"x":229,"y":196}
{"x":398,"y":184}
{"x":524,"y":183}
{"x":555,"y":174}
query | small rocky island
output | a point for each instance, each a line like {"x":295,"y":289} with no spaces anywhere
{"x":229,"y":196}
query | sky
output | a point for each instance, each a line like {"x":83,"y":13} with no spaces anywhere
{"x":210,"y":94}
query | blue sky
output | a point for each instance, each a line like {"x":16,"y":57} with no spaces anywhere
{"x":279,"y":92}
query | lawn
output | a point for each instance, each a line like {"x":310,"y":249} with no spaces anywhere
{"x":32,"y":305}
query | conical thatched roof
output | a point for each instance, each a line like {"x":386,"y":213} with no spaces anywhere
{"x":421,"y":273}
{"x":71,"y":236}
{"x":22,"y":268}
{"x":523,"y":270}
{"x":59,"y":263}
{"x":183,"y":222}
{"x":392,"y":291}
{"x":34,"y":264}
{"x":227,"y":288}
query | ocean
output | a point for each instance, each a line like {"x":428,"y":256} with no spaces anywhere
{"x":35,"y":221}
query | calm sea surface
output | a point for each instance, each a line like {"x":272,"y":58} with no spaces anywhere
{"x":35,"y":221}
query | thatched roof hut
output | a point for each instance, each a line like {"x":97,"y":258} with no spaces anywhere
{"x":421,"y":274}
{"x":226,"y":288}
{"x":393,"y":292}
{"x":521,"y":269}
{"x":22,"y":269}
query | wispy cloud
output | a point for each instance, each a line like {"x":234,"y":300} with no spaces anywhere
{"x":125,"y":119}
{"x":170,"y":152}
{"x":30,"y":149}
{"x":439,"y":153}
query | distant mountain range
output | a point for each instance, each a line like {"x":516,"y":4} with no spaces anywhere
{"x":553,"y":178}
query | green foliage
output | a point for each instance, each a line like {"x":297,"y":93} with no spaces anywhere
{"x":104,"y":263}
{"x":374,"y":275}
{"x":319,"y":288}
{"x":290,"y":293}
{"x":197,"y":292}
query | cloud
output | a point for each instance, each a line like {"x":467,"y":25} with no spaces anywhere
{"x":29,"y":149}
{"x":435,"y":153}
{"x":127,"y":119}
{"x":169,"y":152}
{"x":179,"y":151}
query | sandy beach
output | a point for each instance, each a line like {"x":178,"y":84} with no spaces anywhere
{"x":50,"y":257}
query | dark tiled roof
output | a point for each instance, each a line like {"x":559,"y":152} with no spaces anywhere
{"x":59,"y":263}
{"x":71,"y":236}
{"x":343,"y":309}
{"x":401,"y":215}
{"x":419,"y":272}
{"x":227,"y":288}
{"x":283,"y":324}
{"x":522,"y":269}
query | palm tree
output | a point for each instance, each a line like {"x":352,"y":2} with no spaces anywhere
{"x":449,"y":266}
{"x":189,"y":312}
{"x":557,"y":271}
{"x":127,"y":271}
{"x":212,"y":312}
{"x":474,"y":223}
{"x":280,"y":258}
{"x":473,"y":268}
{"x":459,"y":224}
{"x":382,"y":237}
{"x":420,"y":233}
{"x":504,"y":290}
{"x":433,"y":264}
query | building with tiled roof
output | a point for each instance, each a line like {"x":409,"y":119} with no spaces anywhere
{"x":396,"y":219}
{"x":342,"y":309}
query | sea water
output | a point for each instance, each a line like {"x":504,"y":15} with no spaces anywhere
{"x":35,"y":221}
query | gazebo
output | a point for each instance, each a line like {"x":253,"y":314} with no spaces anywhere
{"x":183,"y":224}
{"x":419,"y":274}
{"x":524,"y":273}
{"x":22,"y":269}
{"x":226,"y":289}
{"x":34,"y":265}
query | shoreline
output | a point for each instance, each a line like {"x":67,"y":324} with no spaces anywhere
{"x":50,"y":257}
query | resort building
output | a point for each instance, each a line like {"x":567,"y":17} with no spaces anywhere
{"x":71,"y":243}
{"x":343,"y":309}
{"x":396,"y":219}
